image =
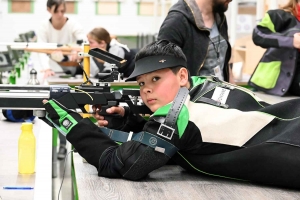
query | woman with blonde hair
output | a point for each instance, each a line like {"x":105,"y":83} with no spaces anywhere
{"x":278,"y":71}
{"x":100,"y":38}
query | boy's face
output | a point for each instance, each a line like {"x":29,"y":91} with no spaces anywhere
{"x":160,"y":87}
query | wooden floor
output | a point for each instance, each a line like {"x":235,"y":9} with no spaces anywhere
{"x":172,"y":182}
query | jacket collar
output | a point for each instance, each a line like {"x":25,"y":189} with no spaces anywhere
{"x":194,"y":14}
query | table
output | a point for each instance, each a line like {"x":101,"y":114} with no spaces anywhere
{"x":41,"y":180}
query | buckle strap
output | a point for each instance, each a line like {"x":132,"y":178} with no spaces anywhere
{"x":167,"y":129}
{"x":212,"y":102}
{"x":143,"y":137}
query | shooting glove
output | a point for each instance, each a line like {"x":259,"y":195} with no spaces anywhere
{"x":62,"y":118}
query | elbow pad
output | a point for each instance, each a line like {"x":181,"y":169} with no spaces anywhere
{"x":131,"y":160}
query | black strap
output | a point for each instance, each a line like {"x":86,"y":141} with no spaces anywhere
{"x":212,"y":102}
{"x":167,"y":129}
{"x":143,"y":137}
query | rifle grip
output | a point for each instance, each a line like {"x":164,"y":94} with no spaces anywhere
{"x":113,"y":121}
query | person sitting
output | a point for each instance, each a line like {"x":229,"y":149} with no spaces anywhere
{"x":62,"y":30}
{"x":100,"y":38}
{"x":203,"y":124}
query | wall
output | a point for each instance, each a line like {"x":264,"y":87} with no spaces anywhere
{"x":127,"y":23}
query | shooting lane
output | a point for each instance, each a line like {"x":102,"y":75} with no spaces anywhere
{"x":168,"y":182}
{"x":41,"y":180}
{"x":16,"y":60}
{"x":13,"y":64}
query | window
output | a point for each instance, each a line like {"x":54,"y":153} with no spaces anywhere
{"x":152,"y":7}
{"x":20,"y":6}
{"x":108,"y":7}
{"x":71,"y":7}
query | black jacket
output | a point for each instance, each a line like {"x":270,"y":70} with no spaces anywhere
{"x":184,"y":26}
{"x":277,"y":69}
{"x":247,"y":139}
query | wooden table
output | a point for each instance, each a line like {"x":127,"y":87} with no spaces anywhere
{"x":41,"y":180}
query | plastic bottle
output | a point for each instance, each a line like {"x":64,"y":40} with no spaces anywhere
{"x":27,"y":148}
{"x":18,"y":69}
{"x":12,"y":77}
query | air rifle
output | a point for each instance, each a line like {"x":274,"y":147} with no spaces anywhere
{"x":30,"y":97}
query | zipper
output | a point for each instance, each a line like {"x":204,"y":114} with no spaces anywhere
{"x":203,"y":61}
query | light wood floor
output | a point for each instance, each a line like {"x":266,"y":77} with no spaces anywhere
{"x":172,"y":182}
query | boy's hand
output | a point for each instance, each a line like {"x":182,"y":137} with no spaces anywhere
{"x":112,"y":110}
{"x":62,"y":118}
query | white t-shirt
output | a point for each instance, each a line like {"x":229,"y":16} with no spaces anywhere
{"x":68,"y":34}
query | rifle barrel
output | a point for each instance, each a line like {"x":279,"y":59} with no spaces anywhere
{"x":24,"y":87}
{"x":23,"y":95}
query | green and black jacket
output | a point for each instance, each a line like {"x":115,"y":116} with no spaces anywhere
{"x":276,"y":69}
{"x":241,"y":138}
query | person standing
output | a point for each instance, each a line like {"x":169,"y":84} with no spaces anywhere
{"x":61,"y":30}
{"x":199,"y":28}
{"x":278,"y":71}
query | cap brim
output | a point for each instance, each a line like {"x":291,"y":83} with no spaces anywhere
{"x":154,"y":63}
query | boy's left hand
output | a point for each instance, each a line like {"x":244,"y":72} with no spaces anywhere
{"x":61,"y":117}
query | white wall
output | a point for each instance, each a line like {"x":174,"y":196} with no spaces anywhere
{"x":127,"y":23}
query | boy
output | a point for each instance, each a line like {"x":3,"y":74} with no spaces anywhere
{"x":203,"y":124}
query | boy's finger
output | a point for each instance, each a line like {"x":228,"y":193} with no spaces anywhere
{"x":113,"y":110}
{"x":45,"y":101}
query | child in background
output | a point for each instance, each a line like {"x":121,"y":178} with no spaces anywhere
{"x":100,"y":38}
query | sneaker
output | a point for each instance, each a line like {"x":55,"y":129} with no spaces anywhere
{"x":61,"y":153}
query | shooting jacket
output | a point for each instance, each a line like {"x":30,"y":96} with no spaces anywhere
{"x":222,"y":130}
{"x":277,"y":68}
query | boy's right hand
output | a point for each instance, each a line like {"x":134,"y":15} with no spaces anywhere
{"x":112,"y":110}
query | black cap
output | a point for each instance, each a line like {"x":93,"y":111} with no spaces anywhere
{"x":154,"y":63}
